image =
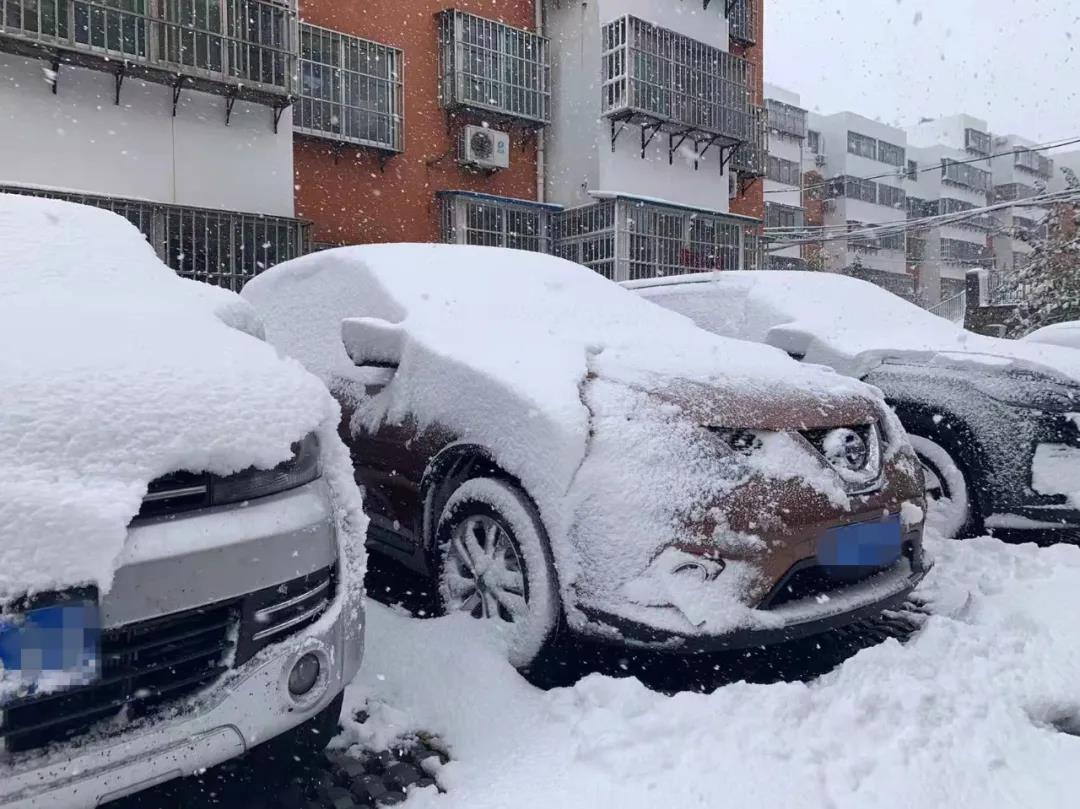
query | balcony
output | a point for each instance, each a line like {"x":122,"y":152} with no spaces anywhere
{"x":751,"y":158}
{"x":742,"y":20}
{"x":1011,"y":192}
{"x":1034,"y":163}
{"x":786,"y":119}
{"x":491,"y":221}
{"x":977,"y":142}
{"x":244,"y":49}
{"x":488,"y":66}
{"x":965,"y":175}
{"x":663,"y":81}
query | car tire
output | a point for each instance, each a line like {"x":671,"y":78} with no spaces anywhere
{"x":948,"y":496}
{"x":494,"y":563}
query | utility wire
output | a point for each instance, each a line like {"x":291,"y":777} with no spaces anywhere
{"x":902,"y":172}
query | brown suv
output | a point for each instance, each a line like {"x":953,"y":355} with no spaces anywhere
{"x":554,"y":449}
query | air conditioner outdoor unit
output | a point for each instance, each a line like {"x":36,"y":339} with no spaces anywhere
{"x":819,"y":160}
{"x":485,"y":148}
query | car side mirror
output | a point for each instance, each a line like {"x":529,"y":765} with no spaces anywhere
{"x":371,"y":342}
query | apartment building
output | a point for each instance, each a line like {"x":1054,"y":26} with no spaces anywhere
{"x":657,"y":141}
{"x":847,"y":150}
{"x":175,"y":115}
{"x":784,"y":211}
{"x":1019,"y":173}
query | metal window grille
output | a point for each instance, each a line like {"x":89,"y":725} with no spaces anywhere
{"x":784,"y":216}
{"x":494,"y":222}
{"x":853,"y":188}
{"x":958,"y":251}
{"x":1033,"y":162}
{"x":965,"y":175}
{"x":350,"y":89}
{"x":891,"y":196}
{"x":813,"y":141}
{"x":892,"y":241}
{"x":682,"y":83}
{"x":247,"y":45}
{"x":786,"y":118}
{"x":742,"y":21}
{"x":752,"y":155}
{"x":1013,"y":191}
{"x":890,"y":153}
{"x":862,"y":242}
{"x":487,"y":65}
{"x":916,"y":208}
{"x":783,"y":171}
{"x":586,"y":235}
{"x":223,"y":248}
{"x":896,"y":283}
{"x":912,"y":172}
{"x":916,"y":249}
{"x":862,"y":145}
{"x":977,"y":142}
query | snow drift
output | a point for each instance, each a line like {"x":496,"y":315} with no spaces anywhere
{"x":116,"y":371}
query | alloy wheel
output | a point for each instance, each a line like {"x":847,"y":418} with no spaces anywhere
{"x":485,"y":576}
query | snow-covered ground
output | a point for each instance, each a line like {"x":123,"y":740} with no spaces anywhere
{"x":969,"y":712}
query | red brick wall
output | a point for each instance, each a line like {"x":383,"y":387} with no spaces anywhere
{"x":343,"y":190}
{"x":751,"y":199}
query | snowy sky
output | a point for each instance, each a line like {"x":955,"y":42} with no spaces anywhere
{"x":1014,"y":64}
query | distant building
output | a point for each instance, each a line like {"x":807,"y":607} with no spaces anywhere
{"x":177,"y":120}
{"x":784,"y":207}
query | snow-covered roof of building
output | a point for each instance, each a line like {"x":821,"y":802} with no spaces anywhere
{"x":117,"y":371}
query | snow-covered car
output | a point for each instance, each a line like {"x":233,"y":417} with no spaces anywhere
{"x":556,"y":451}
{"x":181,"y":537}
{"x":1065,"y":334}
{"x":995,"y":422}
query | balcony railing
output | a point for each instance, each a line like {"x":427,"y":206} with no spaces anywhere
{"x":965,"y":175}
{"x":1034,"y":162}
{"x":786,"y":118}
{"x":487,"y":65}
{"x":742,"y":21}
{"x":241,"y":48}
{"x":660,"y":78}
{"x":1010,"y":192}
{"x":751,"y":157}
{"x":977,"y":142}
{"x":223,"y":248}
{"x":491,"y":221}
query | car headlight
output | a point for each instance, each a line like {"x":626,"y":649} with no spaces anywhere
{"x":744,"y":442}
{"x":301,"y":468}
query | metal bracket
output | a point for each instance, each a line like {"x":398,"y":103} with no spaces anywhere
{"x":726,"y":153}
{"x":178,"y":85}
{"x":56,"y":74}
{"x":729,"y":5}
{"x":230,"y":99}
{"x":121,"y":71}
{"x":277,"y":115}
{"x":652,"y":129}
{"x":616,"y":132}
{"x":745,"y":183}
{"x":384,"y":158}
{"x":339,"y":147}
{"x":673,"y":147}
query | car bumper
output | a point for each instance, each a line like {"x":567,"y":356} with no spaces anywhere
{"x":791,"y":621}
{"x":249,"y":704}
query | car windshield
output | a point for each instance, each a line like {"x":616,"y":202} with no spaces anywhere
{"x":539,"y":403}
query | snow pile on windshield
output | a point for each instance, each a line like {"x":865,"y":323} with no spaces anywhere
{"x":115,"y":372}
{"x":970,"y":712}
{"x":556,"y":370}
{"x":842,"y":322}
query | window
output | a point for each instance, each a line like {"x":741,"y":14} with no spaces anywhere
{"x":786,"y":118}
{"x":861,"y":145}
{"x":783,"y":216}
{"x":813,"y":141}
{"x":586,"y":235}
{"x":890,"y":153}
{"x":487,"y":65}
{"x":666,"y":75}
{"x":784,"y":171}
{"x":912,"y":170}
{"x":892,"y":241}
{"x":741,"y":21}
{"x":965,"y":175}
{"x":891,"y":196}
{"x":490,"y":221}
{"x":223,"y":248}
{"x":977,"y":142}
{"x":916,"y":208}
{"x":957,"y":251}
{"x":1034,"y":162}
{"x":350,"y":89}
{"x":853,"y":188}
{"x":1013,"y":191}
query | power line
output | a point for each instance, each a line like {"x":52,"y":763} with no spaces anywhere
{"x":902,"y":173}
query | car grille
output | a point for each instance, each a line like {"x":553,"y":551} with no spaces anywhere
{"x":808,"y":579}
{"x":150,"y":664}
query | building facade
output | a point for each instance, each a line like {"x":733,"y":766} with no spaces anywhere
{"x":657,"y":135}
{"x":785,"y":213}
{"x":846,"y":150}
{"x":170,"y":115}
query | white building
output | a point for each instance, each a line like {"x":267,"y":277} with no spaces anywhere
{"x":1019,"y":173}
{"x":1065,"y":162}
{"x":184,"y":130}
{"x":847,"y":149}
{"x":783,"y":177}
{"x":649,"y":109}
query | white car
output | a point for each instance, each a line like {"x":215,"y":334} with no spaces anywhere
{"x":180,"y":535}
{"x":1065,"y":334}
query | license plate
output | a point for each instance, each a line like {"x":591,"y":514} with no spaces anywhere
{"x":51,"y":647}
{"x":864,"y":544}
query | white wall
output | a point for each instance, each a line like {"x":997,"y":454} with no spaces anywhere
{"x":579,"y":155}
{"x":79,"y":140}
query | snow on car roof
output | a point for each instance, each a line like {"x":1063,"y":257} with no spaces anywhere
{"x":846,"y":323}
{"x":116,"y":371}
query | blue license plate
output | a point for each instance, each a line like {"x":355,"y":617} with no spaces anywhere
{"x":863,"y":544}
{"x":52,"y":647}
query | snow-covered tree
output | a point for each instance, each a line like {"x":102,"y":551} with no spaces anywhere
{"x":1048,"y":284}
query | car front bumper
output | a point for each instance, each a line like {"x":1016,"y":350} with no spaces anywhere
{"x":240,"y":550}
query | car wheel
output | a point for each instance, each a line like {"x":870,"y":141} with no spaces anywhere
{"x":947,"y":497}
{"x":494,"y":564}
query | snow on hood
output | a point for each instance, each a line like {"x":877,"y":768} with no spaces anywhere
{"x":580,"y":388}
{"x":117,"y":371}
{"x":844,"y":323}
